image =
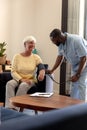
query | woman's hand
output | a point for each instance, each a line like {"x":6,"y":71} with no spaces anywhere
{"x":27,"y":81}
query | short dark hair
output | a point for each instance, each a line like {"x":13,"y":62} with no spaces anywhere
{"x":55,"y":32}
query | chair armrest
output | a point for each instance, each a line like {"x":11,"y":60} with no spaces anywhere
{"x":5,"y":76}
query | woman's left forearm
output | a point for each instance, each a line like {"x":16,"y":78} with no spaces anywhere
{"x":41,"y":75}
{"x":42,"y":72}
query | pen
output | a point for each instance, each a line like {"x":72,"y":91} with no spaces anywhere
{"x":44,"y":94}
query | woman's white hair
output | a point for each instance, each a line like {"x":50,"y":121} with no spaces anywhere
{"x":29,"y":39}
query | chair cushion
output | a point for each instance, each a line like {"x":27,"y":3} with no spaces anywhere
{"x":9,"y":114}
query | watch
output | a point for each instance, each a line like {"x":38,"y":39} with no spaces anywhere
{"x":77,"y":75}
{"x":19,"y":81}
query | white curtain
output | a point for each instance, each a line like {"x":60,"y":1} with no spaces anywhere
{"x":73,"y":16}
{"x":72,"y":27}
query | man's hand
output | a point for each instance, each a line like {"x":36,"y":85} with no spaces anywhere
{"x":49,"y":71}
{"x":74,"y":78}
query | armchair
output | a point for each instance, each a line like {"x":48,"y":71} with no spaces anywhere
{"x":42,"y":86}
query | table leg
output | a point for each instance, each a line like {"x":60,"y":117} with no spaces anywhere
{"x":21,"y":109}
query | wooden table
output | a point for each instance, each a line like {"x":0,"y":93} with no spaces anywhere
{"x":42,"y":103}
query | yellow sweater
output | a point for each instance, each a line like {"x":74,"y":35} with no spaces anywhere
{"x":25,"y":67}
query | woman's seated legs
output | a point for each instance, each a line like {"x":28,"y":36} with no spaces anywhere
{"x":10,"y":91}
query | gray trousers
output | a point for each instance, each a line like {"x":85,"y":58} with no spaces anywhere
{"x":10,"y":91}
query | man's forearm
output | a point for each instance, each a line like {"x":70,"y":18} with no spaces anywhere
{"x":82,"y":65}
{"x":59,"y":60}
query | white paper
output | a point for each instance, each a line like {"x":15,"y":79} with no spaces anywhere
{"x":7,"y":67}
{"x":39,"y":94}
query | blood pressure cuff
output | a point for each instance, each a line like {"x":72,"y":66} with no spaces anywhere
{"x":41,"y":66}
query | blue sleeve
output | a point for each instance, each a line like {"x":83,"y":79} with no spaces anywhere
{"x":80,"y":47}
{"x":60,"y":50}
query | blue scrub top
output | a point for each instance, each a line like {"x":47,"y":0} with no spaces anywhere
{"x":74,"y":48}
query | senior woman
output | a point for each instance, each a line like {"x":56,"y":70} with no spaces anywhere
{"x":23,"y":71}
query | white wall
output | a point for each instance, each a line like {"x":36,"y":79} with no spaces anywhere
{"x":5,"y":21}
{"x":22,"y":23}
{"x":48,"y":16}
{"x":20,"y":18}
